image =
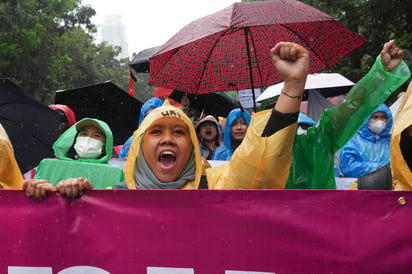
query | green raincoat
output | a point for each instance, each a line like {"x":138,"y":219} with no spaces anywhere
{"x":314,"y":152}
{"x":97,"y":171}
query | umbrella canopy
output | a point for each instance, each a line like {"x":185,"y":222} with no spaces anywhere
{"x":32,"y":126}
{"x":231,"y":47}
{"x":140,"y":62}
{"x":107,"y":102}
{"x":328,"y":85}
{"x":216,"y":104}
{"x":317,"y":104}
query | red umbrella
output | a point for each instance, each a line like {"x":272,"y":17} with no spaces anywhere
{"x":231,"y":47}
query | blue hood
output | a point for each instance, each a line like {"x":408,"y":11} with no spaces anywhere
{"x":152,"y":103}
{"x":304,"y":119}
{"x":366,"y":133}
{"x":233,"y":115}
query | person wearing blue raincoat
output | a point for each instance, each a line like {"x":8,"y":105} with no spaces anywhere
{"x":165,"y":153}
{"x":369,"y":149}
{"x":235,"y":130}
{"x":313,"y":154}
{"x":150,"y":104}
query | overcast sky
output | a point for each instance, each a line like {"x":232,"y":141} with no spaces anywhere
{"x":151,"y":23}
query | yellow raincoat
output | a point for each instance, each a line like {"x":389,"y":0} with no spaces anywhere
{"x":258,"y":163}
{"x":401,"y":173}
{"x":10,"y":174}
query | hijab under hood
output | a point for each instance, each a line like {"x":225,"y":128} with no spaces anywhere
{"x":135,"y":149}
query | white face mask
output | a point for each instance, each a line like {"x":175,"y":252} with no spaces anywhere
{"x":377,"y":126}
{"x":88,"y":148}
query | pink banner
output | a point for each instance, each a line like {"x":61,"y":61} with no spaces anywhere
{"x":207,"y":231}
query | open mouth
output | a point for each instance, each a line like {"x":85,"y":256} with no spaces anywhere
{"x":167,"y":159}
{"x":208,"y":132}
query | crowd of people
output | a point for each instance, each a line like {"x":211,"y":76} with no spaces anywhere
{"x":272,"y":149}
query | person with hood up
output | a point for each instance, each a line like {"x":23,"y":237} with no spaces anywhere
{"x":148,"y":106}
{"x":82,"y":151}
{"x":399,"y":175}
{"x":208,"y":132}
{"x":10,"y":174}
{"x":369,"y":149}
{"x":401,"y":144}
{"x":313,"y":155}
{"x":237,"y":123}
{"x":165,"y":153}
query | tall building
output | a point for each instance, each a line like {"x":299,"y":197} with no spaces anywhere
{"x":114,"y":33}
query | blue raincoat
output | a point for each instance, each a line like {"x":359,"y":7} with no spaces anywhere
{"x":313,"y":155}
{"x":366,"y":151}
{"x":225,"y":152}
{"x":152,"y":103}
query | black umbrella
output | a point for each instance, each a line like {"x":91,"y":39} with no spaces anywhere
{"x":32,"y":126}
{"x":140,"y":62}
{"x":216,"y":104}
{"x":106,"y":102}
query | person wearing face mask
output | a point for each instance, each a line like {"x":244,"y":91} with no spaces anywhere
{"x":237,"y":123}
{"x":165,"y":153}
{"x":82,"y":151}
{"x":399,"y":176}
{"x":369,"y":149}
{"x":313,"y":156}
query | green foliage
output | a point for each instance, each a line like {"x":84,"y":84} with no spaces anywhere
{"x":143,"y":91}
{"x":379,"y":21}
{"x":48,"y":45}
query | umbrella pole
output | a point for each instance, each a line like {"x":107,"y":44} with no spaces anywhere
{"x":250,"y":68}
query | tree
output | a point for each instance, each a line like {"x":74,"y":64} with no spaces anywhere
{"x":377,"y":21}
{"x":46,"y":45}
